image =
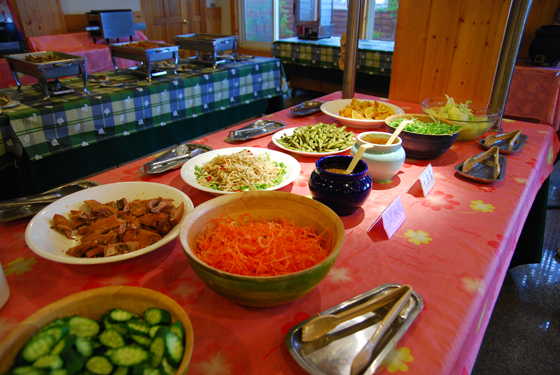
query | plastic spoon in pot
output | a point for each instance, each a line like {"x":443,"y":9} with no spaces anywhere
{"x":357,"y":157}
{"x":398,"y":131}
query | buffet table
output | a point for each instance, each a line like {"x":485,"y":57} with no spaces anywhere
{"x":454,"y":249}
{"x":44,"y":144}
{"x":301,"y":58}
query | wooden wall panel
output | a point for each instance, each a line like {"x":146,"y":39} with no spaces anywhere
{"x":447,"y":47}
{"x":39,"y":17}
{"x":214,"y":15}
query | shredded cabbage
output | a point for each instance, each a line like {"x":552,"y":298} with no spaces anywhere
{"x":452,"y":111}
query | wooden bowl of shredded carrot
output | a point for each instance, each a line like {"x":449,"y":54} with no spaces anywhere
{"x":262,"y":248}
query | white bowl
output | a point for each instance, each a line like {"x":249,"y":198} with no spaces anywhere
{"x":290,"y":131}
{"x":51,"y":244}
{"x":334,"y":107}
{"x":188,"y":169}
{"x":384,"y":161}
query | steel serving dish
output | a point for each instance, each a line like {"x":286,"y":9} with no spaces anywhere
{"x":504,"y":144}
{"x":146,"y":56}
{"x":65,"y":65}
{"x":212,"y":44}
{"x":484,"y":170}
{"x":256,"y":129}
{"x":334,"y":352}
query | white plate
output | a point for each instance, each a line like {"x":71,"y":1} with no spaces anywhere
{"x":52,"y":244}
{"x":187,"y":170}
{"x":333,"y":107}
{"x":11,"y":104}
{"x":290,"y":131}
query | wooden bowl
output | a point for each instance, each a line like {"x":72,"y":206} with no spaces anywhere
{"x":92,"y":304}
{"x":423,"y":146}
{"x":268,"y":205}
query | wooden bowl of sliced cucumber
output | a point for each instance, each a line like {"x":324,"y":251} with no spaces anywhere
{"x":102,"y":331}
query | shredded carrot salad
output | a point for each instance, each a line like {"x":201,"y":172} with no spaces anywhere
{"x":261,"y":248}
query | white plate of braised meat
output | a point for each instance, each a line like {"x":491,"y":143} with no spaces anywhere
{"x":108,"y":223}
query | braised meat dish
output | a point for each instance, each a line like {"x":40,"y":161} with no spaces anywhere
{"x":39,"y":59}
{"x":118,"y":227}
{"x":142,"y":44}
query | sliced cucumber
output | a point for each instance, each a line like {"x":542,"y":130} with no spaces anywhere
{"x":99,"y":365}
{"x":49,"y":361}
{"x":129,"y":356}
{"x":174,"y":348}
{"x":111,"y":338}
{"x":121,"y":315}
{"x":154,"y":316}
{"x":83,"y":327}
{"x":38,"y":347}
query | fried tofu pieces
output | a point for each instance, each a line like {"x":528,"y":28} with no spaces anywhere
{"x":118,"y":227}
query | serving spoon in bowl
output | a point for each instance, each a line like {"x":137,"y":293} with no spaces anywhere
{"x":357,"y":157}
{"x":398,"y":131}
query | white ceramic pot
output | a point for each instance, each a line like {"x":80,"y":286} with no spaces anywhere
{"x":384,"y":161}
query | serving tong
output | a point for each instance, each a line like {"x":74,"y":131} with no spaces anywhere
{"x":323,"y":324}
{"x":174,"y":158}
{"x":363,"y":359}
{"x":27,"y":206}
{"x":493,"y":152}
{"x":494,"y":139}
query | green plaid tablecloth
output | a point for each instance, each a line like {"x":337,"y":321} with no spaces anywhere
{"x":42,"y":128}
{"x":374,"y":56}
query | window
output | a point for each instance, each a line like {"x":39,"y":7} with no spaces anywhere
{"x":264,"y":21}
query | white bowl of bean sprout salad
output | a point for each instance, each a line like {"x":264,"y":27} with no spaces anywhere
{"x":238,"y":169}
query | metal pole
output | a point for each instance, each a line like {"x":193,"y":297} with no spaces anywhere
{"x":352,"y":29}
{"x":508,"y":55}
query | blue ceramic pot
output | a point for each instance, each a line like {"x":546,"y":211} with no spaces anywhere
{"x":343,"y":193}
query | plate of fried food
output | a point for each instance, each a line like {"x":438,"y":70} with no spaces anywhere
{"x":365,"y":114}
{"x":108,"y":223}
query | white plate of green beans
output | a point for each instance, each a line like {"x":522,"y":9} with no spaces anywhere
{"x":315,"y":140}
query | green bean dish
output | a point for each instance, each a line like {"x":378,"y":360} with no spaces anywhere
{"x":318,"y":138}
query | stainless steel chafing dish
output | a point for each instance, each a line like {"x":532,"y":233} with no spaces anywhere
{"x":146,"y":56}
{"x":65,"y":65}
{"x":210,"y":43}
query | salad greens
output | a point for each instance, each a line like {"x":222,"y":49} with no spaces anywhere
{"x":432,"y":128}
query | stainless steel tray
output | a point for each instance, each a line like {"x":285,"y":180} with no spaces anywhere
{"x":503,"y":145}
{"x":306,"y":108}
{"x":257,"y":129}
{"x":174,"y":158}
{"x":27,"y":210}
{"x":333,"y":353}
{"x":146,"y":56}
{"x":484,"y":171}
{"x":67,"y":65}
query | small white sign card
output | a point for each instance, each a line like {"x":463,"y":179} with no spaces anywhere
{"x":425,"y":182}
{"x":391,"y":218}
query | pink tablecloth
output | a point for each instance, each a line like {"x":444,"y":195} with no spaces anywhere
{"x":82,"y":44}
{"x":7,"y":80}
{"x":454,"y":249}
{"x":534,"y":95}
